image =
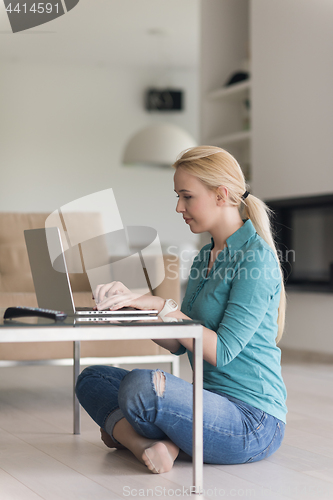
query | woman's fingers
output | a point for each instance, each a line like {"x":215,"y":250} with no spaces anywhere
{"x":116,"y":302}
{"x":97,"y":293}
{"x":104,"y":291}
{"x":111,"y":303}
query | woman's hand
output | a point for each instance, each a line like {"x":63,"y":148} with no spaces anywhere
{"x":104,"y":292}
{"x":115,"y":295}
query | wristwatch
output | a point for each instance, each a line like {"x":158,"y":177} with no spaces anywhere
{"x":170,"y":305}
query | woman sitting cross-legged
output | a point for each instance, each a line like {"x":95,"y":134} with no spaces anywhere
{"x":236,"y":291}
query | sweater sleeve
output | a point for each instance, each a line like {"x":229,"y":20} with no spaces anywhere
{"x":180,"y":351}
{"x":254,"y":284}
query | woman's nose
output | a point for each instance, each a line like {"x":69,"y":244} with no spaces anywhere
{"x":179,"y":207}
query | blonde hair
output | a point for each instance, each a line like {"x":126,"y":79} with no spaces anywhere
{"x":216,"y":167}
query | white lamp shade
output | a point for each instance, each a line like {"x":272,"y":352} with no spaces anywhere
{"x":158,"y":144}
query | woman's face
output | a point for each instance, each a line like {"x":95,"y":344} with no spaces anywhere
{"x":197,"y":203}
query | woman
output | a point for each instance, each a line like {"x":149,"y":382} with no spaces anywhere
{"x":236,"y":291}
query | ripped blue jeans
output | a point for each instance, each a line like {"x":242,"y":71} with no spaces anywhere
{"x":159,"y":406}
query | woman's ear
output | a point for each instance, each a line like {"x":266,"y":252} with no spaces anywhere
{"x":221,"y":195}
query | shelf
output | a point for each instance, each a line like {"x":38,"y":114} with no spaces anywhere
{"x":236,"y":92}
{"x":239,"y":138}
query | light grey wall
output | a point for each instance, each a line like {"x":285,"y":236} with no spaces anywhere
{"x":292,"y":44}
{"x":63,"y":130}
{"x":292,"y":97}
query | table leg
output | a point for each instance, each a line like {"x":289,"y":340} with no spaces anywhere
{"x":197,"y":415}
{"x":76,"y":372}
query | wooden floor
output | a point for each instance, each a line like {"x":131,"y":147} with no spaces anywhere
{"x":41,"y":458}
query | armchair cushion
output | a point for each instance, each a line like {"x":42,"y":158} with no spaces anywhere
{"x":17,"y":289}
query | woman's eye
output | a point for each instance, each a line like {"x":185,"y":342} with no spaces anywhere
{"x":185,"y":197}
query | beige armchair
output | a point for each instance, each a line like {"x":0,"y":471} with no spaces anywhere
{"x":16,"y":289}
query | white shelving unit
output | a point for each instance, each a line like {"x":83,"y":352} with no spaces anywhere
{"x":235,"y":92}
{"x":242,"y":138}
{"x":238,"y":93}
{"x":226,"y":110}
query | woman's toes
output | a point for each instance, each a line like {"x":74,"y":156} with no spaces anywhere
{"x":157,"y":458}
{"x":148,"y":463}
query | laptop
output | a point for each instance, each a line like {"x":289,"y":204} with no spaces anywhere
{"x":53,"y":287}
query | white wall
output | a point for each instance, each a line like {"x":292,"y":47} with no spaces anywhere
{"x":309,"y":322}
{"x":63,"y":129}
{"x":292,"y":43}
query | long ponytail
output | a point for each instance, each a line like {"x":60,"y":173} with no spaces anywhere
{"x":260,"y":215}
{"x":216,"y":167}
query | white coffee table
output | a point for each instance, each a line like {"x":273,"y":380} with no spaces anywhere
{"x":42,"y":330}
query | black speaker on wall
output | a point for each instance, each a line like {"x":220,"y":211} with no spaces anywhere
{"x":163,"y":100}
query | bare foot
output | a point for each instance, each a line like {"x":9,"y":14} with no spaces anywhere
{"x":109,"y":442}
{"x":160,"y":456}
